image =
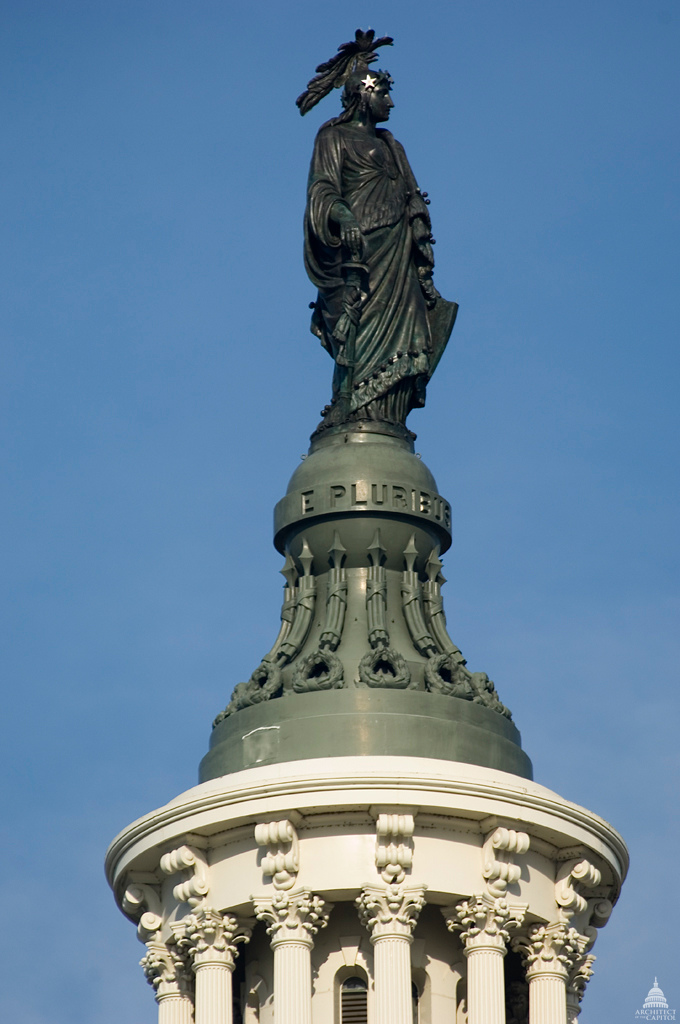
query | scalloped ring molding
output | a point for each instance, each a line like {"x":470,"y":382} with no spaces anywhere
{"x":530,"y":870}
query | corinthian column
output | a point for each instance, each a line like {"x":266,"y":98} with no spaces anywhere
{"x":483,"y":922}
{"x":292,"y":919}
{"x":168,"y":972}
{"x":549,"y":953}
{"x":390,"y":913}
{"x":579,"y":976}
{"x":212,"y":939}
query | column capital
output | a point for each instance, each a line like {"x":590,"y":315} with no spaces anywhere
{"x":550,"y":950}
{"x":292,"y":916}
{"x":484,"y":921}
{"x":390,"y":911}
{"x":211,"y":937}
{"x":580,"y":974}
{"x":166,"y":970}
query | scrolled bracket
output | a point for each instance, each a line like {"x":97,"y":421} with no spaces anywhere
{"x":195,"y":888}
{"x":282,"y":859}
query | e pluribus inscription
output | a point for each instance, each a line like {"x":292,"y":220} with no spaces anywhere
{"x":365,"y":495}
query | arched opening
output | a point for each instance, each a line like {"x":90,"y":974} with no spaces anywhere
{"x":354,"y":1001}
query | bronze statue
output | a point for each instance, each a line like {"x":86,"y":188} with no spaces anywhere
{"x":368,"y":249}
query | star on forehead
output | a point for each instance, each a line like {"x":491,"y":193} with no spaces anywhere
{"x":369,"y":82}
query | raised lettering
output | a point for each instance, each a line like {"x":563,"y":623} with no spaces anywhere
{"x":447,"y":515}
{"x":425,"y":503}
{"x":374,"y":494}
{"x":363,"y":491}
{"x":398,"y":496}
{"x":307,"y":501}
{"x":337,"y":491}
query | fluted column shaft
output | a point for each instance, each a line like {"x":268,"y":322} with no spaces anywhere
{"x":175,"y":1009}
{"x":292,"y":919}
{"x":213,"y":993}
{"x":485,"y":984}
{"x":392,"y":973}
{"x":390,"y":913}
{"x":547,"y":997}
{"x":292,"y":982}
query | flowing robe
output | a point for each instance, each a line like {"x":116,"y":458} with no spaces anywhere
{"x":394,"y":345}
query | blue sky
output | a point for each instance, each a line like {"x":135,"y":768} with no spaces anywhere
{"x":159,"y":385}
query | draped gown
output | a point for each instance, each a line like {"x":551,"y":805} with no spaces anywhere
{"x":398,"y":341}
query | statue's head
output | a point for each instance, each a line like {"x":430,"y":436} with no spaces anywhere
{"x":368,"y":91}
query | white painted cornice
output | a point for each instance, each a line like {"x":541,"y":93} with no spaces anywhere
{"x":338,"y":784}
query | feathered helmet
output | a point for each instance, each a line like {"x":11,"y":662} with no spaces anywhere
{"x":349,"y":67}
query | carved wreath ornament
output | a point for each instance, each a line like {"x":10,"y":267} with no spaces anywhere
{"x":320,"y":670}
{"x":385,"y":667}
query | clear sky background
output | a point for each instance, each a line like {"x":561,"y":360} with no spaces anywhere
{"x":159,"y":385}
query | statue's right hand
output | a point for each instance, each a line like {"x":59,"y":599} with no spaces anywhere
{"x":349,"y":230}
{"x":352,"y":239}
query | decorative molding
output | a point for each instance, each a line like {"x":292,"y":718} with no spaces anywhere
{"x":282,"y":860}
{"x":446,"y":674}
{"x":304,"y":609}
{"x":579,"y":976}
{"x":434,"y":607}
{"x":166,"y":970}
{"x":188,"y":858}
{"x":394,"y":846}
{"x":434,"y":784}
{"x":411,"y":601}
{"x":571,"y":877}
{"x":265,"y":683}
{"x":212,"y":937}
{"x":137,"y":896}
{"x":290,"y":574}
{"x":336,"y":597}
{"x":498,"y":867}
{"x":484,"y":921}
{"x":599,"y":912}
{"x":390,"y":911}
{"x":319,"y":670}
{"x":376,"y":595}
{"x":550,"y":949}
{"x":292,"y":916}
{"x":385,"y":668}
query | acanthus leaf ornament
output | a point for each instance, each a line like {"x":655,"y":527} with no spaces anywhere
{"x":390,"y":911}
{"x":549,"y":949}
{"x":292,"y":916}
{"x":484,"y":921}
{"x":212,"y":937}
{"x":167,"y":970}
